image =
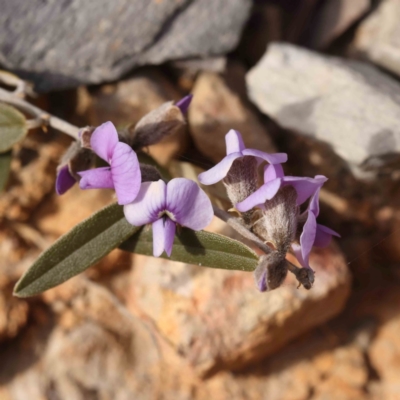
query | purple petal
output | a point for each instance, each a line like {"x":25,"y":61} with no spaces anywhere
{"x":148,"y":204}
{"x":64,"y":180}
{"x":158,"y":237}
{"x":273,"y":171}
{"x":297,"y":252}
{"x":189,"y":204}
{"x":314,"y":201}
{"x":265,"y":192}
{"x":103,"y":140}
{"x":307,"y":237}
{"x":305,"y":187}
{"x":126,"y":173}
{"x":219,"y":171}
{"x":276,"y":158}
{"x":184,"y":103}
{"x":163,"y":236}
{"x":98,"y":178}
{"x":324,"y":235}
{"x":262,"y":282}
{"x":234,"y":142}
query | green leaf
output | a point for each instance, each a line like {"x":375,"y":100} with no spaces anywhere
{"x":76,"y":251}
{"x":12,"y":127}
{"x":5,"y":164}
{"x":199,"y":248}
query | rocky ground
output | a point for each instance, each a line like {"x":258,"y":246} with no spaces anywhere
{"x":319,"y":80}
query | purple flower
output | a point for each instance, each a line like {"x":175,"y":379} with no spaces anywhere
{"x":313,"y":234}
{"x":181,"y":201}
{"x":235,"y":149}
{"x":184,"y":103}
{"x":123,"y":174}
{"x":64,"y":180}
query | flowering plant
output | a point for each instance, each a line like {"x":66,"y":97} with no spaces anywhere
{"x":178,"y":210}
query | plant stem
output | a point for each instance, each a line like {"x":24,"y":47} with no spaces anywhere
{"x":237,"y":226}
{"x":45,"y":118}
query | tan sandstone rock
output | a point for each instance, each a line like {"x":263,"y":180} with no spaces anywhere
{"x":217,"y":319}
{"x":216,"y":109}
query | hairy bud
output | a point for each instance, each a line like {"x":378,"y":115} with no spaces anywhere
{"x":78,"y":159}
{"x":271,"y":271}
{"x":154,"y":126}
{"x":278,"y":224}
{"x":241,"y":181}
{"x":149,"y":173}
{"x":85,"y":134}
{"x":305,"y":277}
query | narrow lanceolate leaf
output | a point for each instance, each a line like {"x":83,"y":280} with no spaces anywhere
{"x":200,"y":248}
{"x":5,"y":163}
{"x":76,"y":251}
{"x":12,"y":127}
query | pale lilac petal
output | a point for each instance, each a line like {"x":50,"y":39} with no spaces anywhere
{"x":324,"y":235}
{"x":276,"y":158}
{"x":305,"y":187}
{"x":259,"y":197}
{"x":64,"y":180}
{"x":262,"y":282}
{"x":314,"y":201}
{"x":126,"y":175}
{"x":169,"y":234}
{"x":103,"y":140}
{"x":98,"y":178}
{"x":273,"y":171}
{"x":188,"y":204}
{"x":158,"y":237}
{"x":219,"y":171}
{"x":148,"y":204}
{"x":307,"y":237}
{"x":163,"y":236}
{"x":234,"y":142}
{"x":297,"y":252}
{"x":184,"y":103}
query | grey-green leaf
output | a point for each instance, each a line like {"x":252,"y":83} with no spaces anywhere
{"x":5,"y":164}
{"x":13,"y":127}
{"x":76,"y":251}
{"x":199,"y":248}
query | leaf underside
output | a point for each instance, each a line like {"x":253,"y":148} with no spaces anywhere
{"x":76,"y":251}
{"x":200,"y":248}
{"x":13,"y":127}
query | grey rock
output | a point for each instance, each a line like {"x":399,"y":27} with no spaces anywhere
{"x":60,"y":44}
{"x":378,"y":37}
{"x":350,"y":105}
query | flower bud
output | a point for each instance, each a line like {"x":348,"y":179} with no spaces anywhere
{"x":85,"y":134}
{"x":271,"y":271}
{"x":78,"y":159}
{"x":241,"y":181}
{"x":154,"y":126}
{"x":149,"y":173}
{"x":278,"y":224}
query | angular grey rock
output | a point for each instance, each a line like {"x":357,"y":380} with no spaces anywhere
{"x":378,"y":37}
{"x":63,"y":44}
{"x":350,"y":105}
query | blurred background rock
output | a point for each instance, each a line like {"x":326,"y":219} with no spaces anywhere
{"x":319,"y":79}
